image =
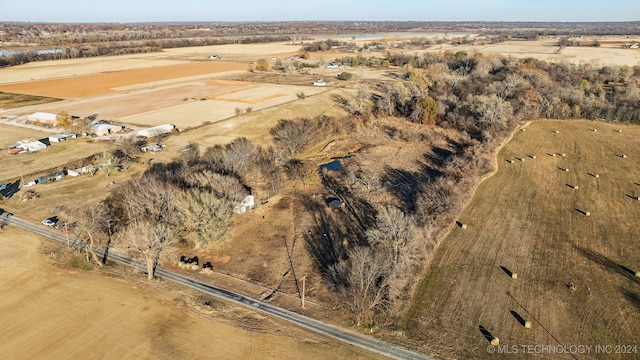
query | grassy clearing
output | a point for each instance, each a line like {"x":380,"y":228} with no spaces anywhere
{"x":12,"y":100}
{"x":575,"y":272}
{"x":57,"y":154}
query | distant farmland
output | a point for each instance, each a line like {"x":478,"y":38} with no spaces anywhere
{"x":575,"y":273}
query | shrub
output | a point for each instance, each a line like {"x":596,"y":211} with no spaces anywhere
{"x":345,"y":76}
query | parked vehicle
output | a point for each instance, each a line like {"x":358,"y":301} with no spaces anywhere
{"x":48,"y":222}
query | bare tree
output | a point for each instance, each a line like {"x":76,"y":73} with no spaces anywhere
{"x":148,"y":242}
{"x":240,"y":154}
{"x":491,"y":111}
{"x":204,"y":217}
{"x":152,"y":221}
{"x":396,"y":238}
{"x":190,"y":154}
{"x":64,"y":121}
{"x":93,"y":221}
{"x":293,"y":136}
{"x":363,"y":283}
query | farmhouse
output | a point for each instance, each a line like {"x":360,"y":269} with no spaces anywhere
{"x":102,"y":129}
{"x":44,"y":118}
{"x":157,"y":130}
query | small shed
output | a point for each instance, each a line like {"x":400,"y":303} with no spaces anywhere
{"x":245,"y":205}
{"x":62,"y":137}
{"x":152,"y":148}
{"x":336,"y":203}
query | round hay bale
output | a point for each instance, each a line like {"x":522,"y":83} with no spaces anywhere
{"x":587,"y":213}
{"x":495,"y":341}
{"x":638,"y":274}
{"x":514,"y":275}
{"x":624,"y":156}
{"x":527,"y":324}
{"x":464,"y":226}
{"x":566,"y":169}
{"x":597,"y":175}
{"x":195,"y":267}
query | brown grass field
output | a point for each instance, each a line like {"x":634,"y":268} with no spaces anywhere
{"x":51,"y":312}
{"x":575,"y":273}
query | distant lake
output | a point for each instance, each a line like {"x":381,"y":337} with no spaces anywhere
{"x":399,"y":35}
{"x":37,"y":51}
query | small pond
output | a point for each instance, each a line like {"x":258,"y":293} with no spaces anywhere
{"x":334,"y":164}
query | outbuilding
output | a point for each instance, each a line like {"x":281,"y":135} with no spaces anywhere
{"x":62,"y":137}
{"x":157,"y":130}
{"x":103,"y":129}
{"x":28,"y":145}
{"x":43,"y":118}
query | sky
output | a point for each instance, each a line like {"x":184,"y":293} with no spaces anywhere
{"x":123,"y":11}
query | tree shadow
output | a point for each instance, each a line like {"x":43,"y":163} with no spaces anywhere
{"x":406,"y":185}
{"x":609,"y":264}
{"x":329,"y":237}
{"x":11,"y":189}
{"x":358,"y":210}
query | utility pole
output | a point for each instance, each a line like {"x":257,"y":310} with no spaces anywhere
{"x":66,"y":231}
{"x":304,"y":280}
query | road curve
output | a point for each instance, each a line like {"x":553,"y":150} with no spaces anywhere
{"x":332,"y":331}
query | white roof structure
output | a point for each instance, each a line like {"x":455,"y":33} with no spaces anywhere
{"x":246,"y":204}
{"x":31,"y":145}
{"x":43,"y":117}
{"x":156,"y":130}
{"x":62,"y":137}
{"x":103,"y":129}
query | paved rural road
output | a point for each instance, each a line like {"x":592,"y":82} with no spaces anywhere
{"x":300,"y":320}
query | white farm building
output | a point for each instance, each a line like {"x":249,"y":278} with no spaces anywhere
{"x":157,"y":130}
{"x":44,"y":118}
{"x":102,"y":129}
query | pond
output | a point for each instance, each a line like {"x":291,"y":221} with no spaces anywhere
{"x":334,"y":164}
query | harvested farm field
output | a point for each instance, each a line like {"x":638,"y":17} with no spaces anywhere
{"x":78,"y":312}
{"x":550,"y":241}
